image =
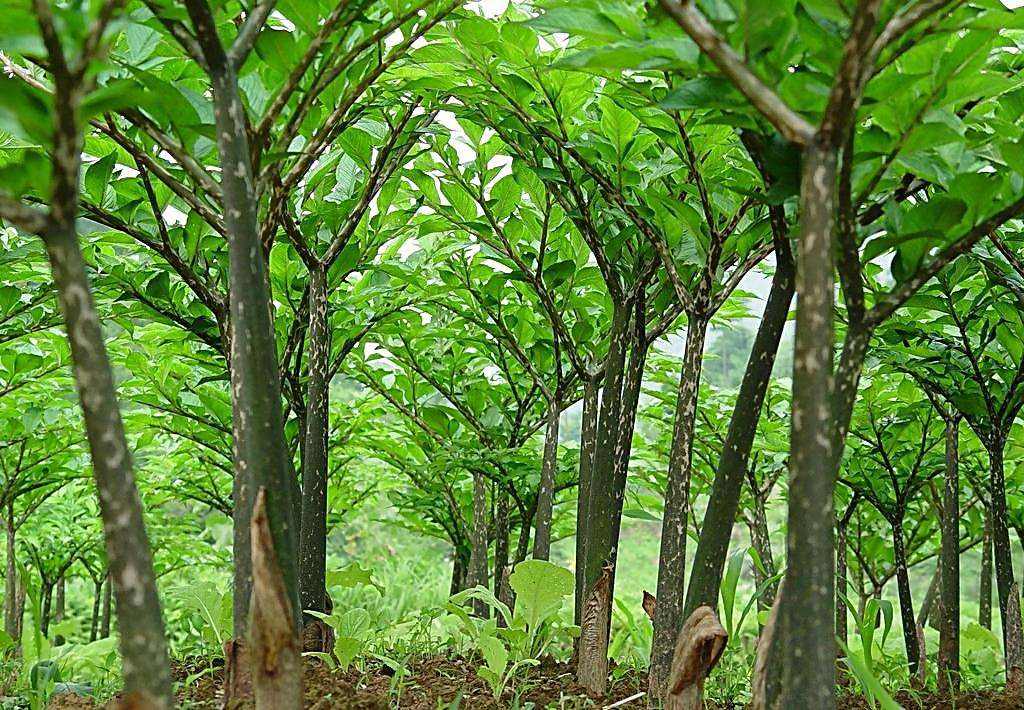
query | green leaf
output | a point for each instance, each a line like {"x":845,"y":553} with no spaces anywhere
{"x":97,"y":177}
{"x":540,"y":588}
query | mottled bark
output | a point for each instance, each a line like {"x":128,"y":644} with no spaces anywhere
{"x":806,"y":646}
{"x":668,"y":615}
{"x":985,"y":583}
{"x":273,"y":635}
{"x":59,"y":607}
{"x":1002,"y":554}
{"x":760,"y":540}
{"x":842,"y":585}
{"x":501,"y":563}
{"x":905,"y":599}
{"x":949,"y":564}
{"x":313,"y":525}
{"x":460,"y":566}
{"x":144,"y":657}
{"x":592,"y":659}
{"x":588,"y":443}
{"x":723,"y":503}
{"x":11,"y":625}
{"x":478,"y":540}
{"x":546,"y":491}
{"x":97,"y":603}
{"x":260,"y":452}
{"x":107,"y":603}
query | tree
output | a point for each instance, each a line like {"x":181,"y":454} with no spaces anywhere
{"x":55,"y":127}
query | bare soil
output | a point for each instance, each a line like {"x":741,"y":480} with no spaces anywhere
{"x":442,"y":683}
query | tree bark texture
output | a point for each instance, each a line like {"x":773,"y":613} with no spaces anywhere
{"x":949,"y":564}
{"x":668,"y":615}
{"x":313,"y":527}
{"x":588,"y":443}
{"x":546,"y":491}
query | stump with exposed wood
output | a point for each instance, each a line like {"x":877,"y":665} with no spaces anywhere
{"x":699,"y":647}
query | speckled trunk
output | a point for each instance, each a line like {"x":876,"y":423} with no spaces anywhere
{"x":313,"y":527}
{"x":97,"y":603}
{"x":757,"y":526}
{"x":807,"y":647}
{"x":260,"y":455}
{"x":905,"y":599}
{"x":723,"y":503}
{"x":546,"y":492}
{"x":1002,"y":556}
{"x":11,"y":625}
{"x":145,"y":663}
{"x":105,"y":617}
{"x":588,"y":443}
{"x":632,"y":384}
{"x":668,"y":616}
{"x":949,"y":564}
{"x":842,"y":584}
{"x":501,"y":564}
{"x":985,"y":583}
{"x":478,"y":539}
{"x":599,"y":567}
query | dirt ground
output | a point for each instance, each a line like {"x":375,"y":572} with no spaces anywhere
{"x":452,"y":684}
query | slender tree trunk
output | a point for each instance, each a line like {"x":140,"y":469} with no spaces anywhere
{"x":807,"y":646}
{"x":949,"y":625}
{"x":60,"y":592}
{"x":260,"y":454}
{"x":985,"y":583}
{"x":97,"y":603}
{"x":842,"y":583}
{"x":716,"y":530}
{"x":143,"y":648}
{"x":105,"y":619}
{"x":460,"y":565}
{"x":11,"y":625}
{"x":313,"y":527}
{"x":599,"y":569}
{"x":632,"y":384}
{"x":906,"y":601}
{"x":546,"y":492}
{"x":1002,"y":553}
{"x":760,"y":540}
{"x":588,"y":443}
{"x":46,"y":595}
{"x":478,"y":556}
{"x":668,"y":615}
{"x":501,"y":589}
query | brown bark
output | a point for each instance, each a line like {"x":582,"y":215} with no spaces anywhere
{"x":275,"y":654}
{"x":588,"y":442}
{"x":546,"y":491}
{"x":985,"y":583}
{"x":949,"y":564}
{"x":672,"y":561}
{"x":698,"y":649}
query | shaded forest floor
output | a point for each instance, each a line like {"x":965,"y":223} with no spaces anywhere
{"x":443,"y":682}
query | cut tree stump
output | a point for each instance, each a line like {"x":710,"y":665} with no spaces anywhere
{"x":699,"y":647}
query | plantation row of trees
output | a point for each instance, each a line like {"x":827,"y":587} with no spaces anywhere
{"x":467,"y":226}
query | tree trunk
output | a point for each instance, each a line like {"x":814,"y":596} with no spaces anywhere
{"x":807,"y":646}
{"x":760,"y":540}
{"x":842,"y":583}
{"x":501,"y":589}
{"x":60,"y":592}
{"x":11,"y":625}
{"x":599,"y":569}
{"x":985,"y":583}
{"x":143,"y":647}
{"x":273,"y":634}
{"x":105,"y":619}
{"x":313,"y":525}
{"x":588,"y":443}
{"x":546,"y":492}
{"x":460,"y":565}
{"x":906,"y":602}
{"x":716,"y":530}
{"x":949,"y":564}
{"x":1002,"y":553}
{"x":260,"y":453}
{"x":668,"y":615}
{"x":46,"y":596}
{"x":97,"y":603}
{"x":478,"y":556}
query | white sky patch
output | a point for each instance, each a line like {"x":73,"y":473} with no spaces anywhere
{"x":1013,"y":4}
